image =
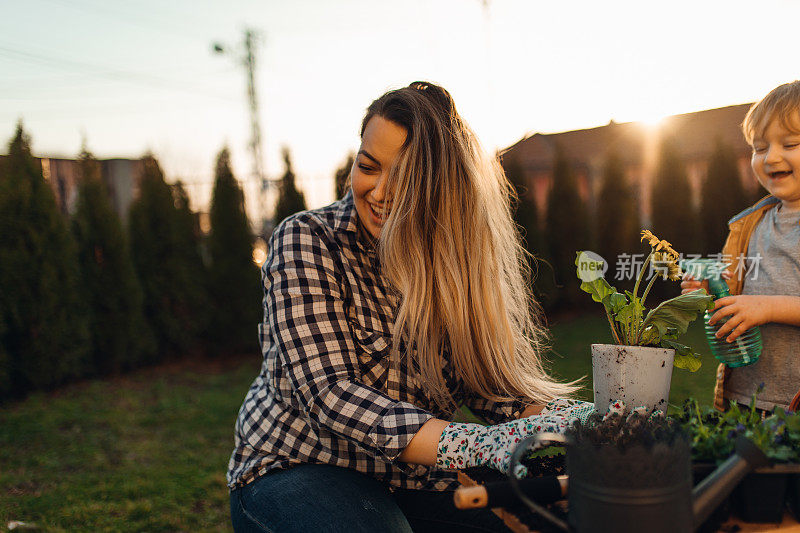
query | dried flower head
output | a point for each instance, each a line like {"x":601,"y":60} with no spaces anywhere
{"x":659,"y":244}
{"x":652,"y":240}
{"x":666,"y":264}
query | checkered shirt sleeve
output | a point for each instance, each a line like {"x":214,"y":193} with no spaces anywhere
{"x":304,"y":310}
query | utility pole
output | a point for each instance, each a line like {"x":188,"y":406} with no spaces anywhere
{"x":255,"y":126}
{"x":257,"y":172}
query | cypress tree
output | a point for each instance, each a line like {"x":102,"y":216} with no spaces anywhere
{"x":674,"y":218}
{"x":234,"y":281}
{"x":526,"y":217}
{"x":618,"y":222}
{"x":290,"y":200}
{"x":167,"y":260}
{"x":342,"y":175}
{"x":44,"y":336}
{"x":722,"y":197}
{"x":5,"y":360}
{"x":567,"y":232}
{"x":121,"y":337}
{"x":190,"y":269}
{"x":525,"y":211}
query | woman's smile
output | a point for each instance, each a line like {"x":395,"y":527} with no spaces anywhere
{"x":379,"y":213}
{"x":380,"y":145}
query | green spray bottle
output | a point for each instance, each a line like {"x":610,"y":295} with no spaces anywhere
{"x":746,"y":349}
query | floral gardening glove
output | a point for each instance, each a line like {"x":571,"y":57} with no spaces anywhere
{"x":618,"y":408}
{"x":569,"y":409}
{"x":470,"y":445}
{"x":576,"y":410}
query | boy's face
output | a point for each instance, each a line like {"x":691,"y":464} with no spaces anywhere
{"x":776,"y":163}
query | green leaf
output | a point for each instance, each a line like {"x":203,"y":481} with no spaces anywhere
{"x":615,"y":302}
{"x":548,"y":451}
{"x":599,"y":289}
{"x":685,"y":357}
{"x":649,"y":337}
{"x":630,"y":318}
{"x":672,"y":317}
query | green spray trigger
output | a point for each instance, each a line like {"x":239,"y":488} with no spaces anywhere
{"x":746,"y":349}
{"x":708,"y":269}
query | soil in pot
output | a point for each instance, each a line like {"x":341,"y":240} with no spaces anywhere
{"x":760,"y":497}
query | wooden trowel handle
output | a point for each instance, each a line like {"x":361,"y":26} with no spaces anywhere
{"x":545,"y":489}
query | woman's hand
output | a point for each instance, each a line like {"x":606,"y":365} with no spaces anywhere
{"x":570,"y":409}
{"x":470,"y":445}
{"x":743,"y":312}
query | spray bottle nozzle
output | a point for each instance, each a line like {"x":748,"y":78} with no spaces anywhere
{"x":708,"y":269}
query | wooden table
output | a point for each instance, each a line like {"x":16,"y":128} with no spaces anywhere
{"x":788,"y":525}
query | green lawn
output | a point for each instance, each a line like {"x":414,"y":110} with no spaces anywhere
{"x":148,"y":452}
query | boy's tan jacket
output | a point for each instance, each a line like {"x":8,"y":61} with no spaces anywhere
{"x":741,"y":229}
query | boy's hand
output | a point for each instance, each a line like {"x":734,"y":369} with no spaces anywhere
{"x":690,"y":284}
{"x":745,"y":311}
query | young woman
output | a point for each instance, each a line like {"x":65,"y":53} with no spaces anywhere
{"x":383,"y":313}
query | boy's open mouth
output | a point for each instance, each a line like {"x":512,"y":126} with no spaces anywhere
{"x":778,"y":174}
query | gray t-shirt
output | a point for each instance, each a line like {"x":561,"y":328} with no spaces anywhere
{"x":777,"y":240}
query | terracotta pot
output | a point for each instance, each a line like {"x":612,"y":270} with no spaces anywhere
{"x":636,"y":375}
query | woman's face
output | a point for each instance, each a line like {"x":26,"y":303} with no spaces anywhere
{"x":380,"y":144}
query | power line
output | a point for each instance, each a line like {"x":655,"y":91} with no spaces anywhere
{"x":73,"y":112}
{"x":33,"y":87}
{"x":106,"y":72}
{"x":249,"y":62}
{"x":136,"y":20}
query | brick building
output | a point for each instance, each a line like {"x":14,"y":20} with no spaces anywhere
{"x":637,"y":144}
{"x":120,"y":175}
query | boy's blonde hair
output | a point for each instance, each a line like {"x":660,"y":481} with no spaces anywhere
{"x":782,"y":102}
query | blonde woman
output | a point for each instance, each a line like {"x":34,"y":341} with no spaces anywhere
{"x":383,"y":313}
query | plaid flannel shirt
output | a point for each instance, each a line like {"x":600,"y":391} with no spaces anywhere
{"x":327,"y":392}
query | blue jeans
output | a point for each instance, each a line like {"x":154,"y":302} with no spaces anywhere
{"x":311,"y":498}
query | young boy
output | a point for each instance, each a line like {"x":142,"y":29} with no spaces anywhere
{"x":769,"y":295}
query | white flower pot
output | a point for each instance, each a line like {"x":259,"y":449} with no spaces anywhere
{"x":636,"y":375}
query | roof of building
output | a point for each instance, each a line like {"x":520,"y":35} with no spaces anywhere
{"x":694,"y":135}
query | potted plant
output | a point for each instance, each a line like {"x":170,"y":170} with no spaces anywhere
{"x":637,"y":369}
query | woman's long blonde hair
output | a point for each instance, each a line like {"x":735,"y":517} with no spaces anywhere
{"x":451,"y":249}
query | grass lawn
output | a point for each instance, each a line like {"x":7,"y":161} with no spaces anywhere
{"x":148,"y":451}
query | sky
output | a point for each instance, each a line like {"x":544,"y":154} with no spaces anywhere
{"x":137,"y":76}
